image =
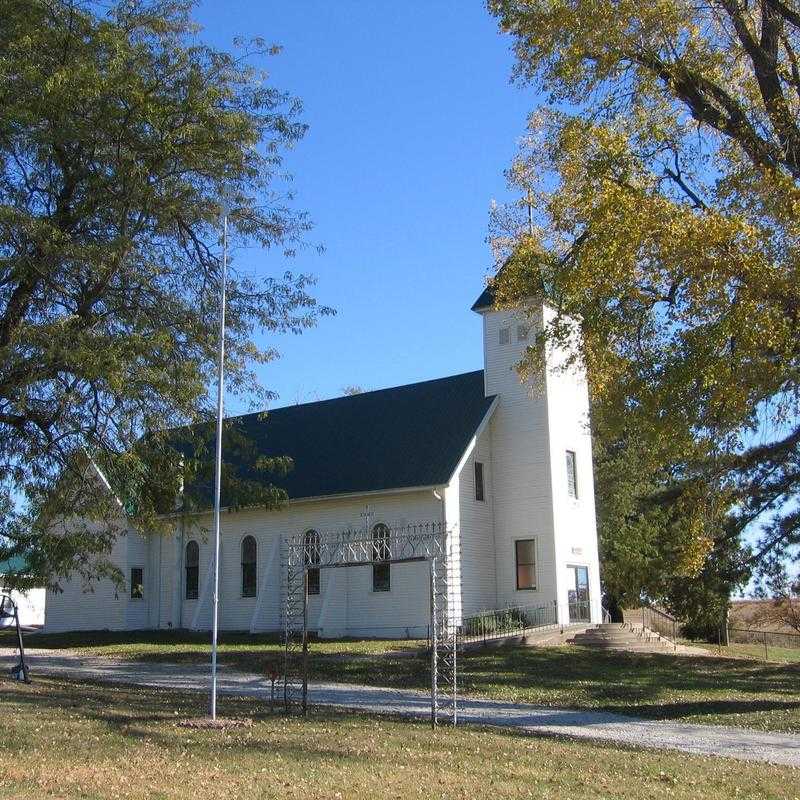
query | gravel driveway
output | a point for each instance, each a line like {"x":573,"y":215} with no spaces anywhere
{"x":738,"y":743}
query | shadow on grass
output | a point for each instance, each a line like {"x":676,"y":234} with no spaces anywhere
{"x":715,"y":708}
{"x":644,"y":674}
{"x":142,"y":638}
{"x":152,"y":715}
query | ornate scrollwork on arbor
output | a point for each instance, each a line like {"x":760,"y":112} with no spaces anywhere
{"x":427,"y":542}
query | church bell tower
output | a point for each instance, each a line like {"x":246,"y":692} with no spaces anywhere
{"x":543,"y":480}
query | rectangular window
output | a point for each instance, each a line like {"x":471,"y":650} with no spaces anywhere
{"x":572,"y":474}
{"x":504,"y":336}
{"x":381,"y":552}
{"x":526,"y":563}
{"x":249,"y":549}
{"x":192,"y":569}
{"x":137,"y":583}
{"x":249,"y":580}
{"x":479,"y":492}
{"x":522,"y":333}
{"x":311,"y":556}
{"x":381,"y":577}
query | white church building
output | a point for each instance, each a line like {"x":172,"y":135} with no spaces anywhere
{"x":505,"y":466}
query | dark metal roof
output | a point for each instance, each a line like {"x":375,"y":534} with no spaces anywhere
{"x":486,"y":299}
{"x":395,"y":438}
{"x":488,"y":295}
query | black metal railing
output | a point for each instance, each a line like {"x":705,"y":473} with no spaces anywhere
{"x":580,"y":611}
{"x":503,"y":622}
{"x":660,"y":622}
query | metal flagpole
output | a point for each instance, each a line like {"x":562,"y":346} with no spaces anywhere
{"x":218,"y":469}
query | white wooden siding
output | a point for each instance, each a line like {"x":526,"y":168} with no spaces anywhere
{"x":478,"y":568}
{"x":101,"y":606}
{"x":346,"y":605}
{"x":521,"y":480}
{"x":575,"y":521}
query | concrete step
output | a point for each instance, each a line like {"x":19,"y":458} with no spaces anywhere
{"x":618,"y":637}
{"x":604,"y":641}
{"x":630,"y":646}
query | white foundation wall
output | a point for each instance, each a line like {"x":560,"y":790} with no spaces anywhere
{"x":521,"y":464}
{"x":575,"y":520}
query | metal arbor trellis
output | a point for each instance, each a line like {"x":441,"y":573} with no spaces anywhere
{"x":429,"y":542}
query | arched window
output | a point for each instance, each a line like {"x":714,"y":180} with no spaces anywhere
{"x":381,"y":553}
{"x":192,"y":569}
{"x":249,"y":566}
{"x":311,"y":557}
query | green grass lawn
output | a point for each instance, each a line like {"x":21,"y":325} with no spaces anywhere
{"x":724,"y":691}
{"x":243,"y":647}
{"x":68,"y":741}
{"x":780,"y":655}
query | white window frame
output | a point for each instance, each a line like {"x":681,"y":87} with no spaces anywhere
{"x":241,"y":567}
{"x":186,"y":567}
{"x":482,"y":466}
{"x":504,"y":336}
{"x":380,"y":562}
{"x":310,"y":564}
{"x":535,"y":540}
{"x":523,"y":331}
{"x":572,"y":474}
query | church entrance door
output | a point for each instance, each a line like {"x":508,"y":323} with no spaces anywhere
{"x":578,"y":594}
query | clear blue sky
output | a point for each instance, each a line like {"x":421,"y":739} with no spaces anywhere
{"x":412,"y":121}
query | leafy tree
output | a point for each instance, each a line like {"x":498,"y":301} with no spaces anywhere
{"x":664,"y":177}
{"x":120,"y":135}
{"x":781,"y":595}
{"x":650,"y":540}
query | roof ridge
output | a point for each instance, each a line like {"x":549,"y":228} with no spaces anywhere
{"x":353,"y":396}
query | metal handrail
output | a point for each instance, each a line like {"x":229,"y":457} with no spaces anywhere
{"x":499,"y":623}
{"x":660,"y":622}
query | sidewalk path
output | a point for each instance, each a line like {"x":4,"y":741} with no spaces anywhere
{"x":705,"y":740}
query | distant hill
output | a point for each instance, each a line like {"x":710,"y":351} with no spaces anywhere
{"x":746,"y":613}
